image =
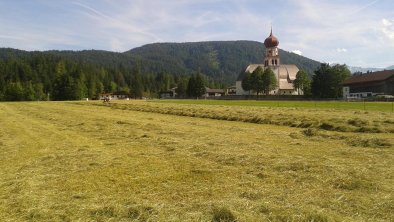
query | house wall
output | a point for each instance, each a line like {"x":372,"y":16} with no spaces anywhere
{"x":346,"y":92}
{"x":284,"y":92}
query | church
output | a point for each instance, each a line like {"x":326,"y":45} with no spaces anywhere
{"x":285,"y":73}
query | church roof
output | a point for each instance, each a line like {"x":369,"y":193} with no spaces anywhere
{"x":253,"y":67}
{"x":208,"y":90}
{"x":249,"y":69}
{"x":290,"y":70}
{"x":284,"y":84}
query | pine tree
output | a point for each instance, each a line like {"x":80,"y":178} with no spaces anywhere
{"x":246,"y":82}
{"x":137,"y":87}
{"x":200,"y":89}
{"x":326,"y":83}
{"x":191,"y":87}
{"x":28,"y":92}
{"x":39,"y":92}
{"x":182,"y":87}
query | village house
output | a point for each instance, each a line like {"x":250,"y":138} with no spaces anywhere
{"x":213,"y":92}
{"x":232,"y":90}
{"x":369,"y":84}
{"x":169,"y":94}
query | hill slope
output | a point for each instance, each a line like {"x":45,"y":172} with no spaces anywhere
{"x":221,"y":60}
{"x":390,"y":67}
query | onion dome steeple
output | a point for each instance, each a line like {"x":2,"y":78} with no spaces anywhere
{"x":271,"y":41}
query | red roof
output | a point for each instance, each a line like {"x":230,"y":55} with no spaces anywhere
{"x":271,"y":41}
{"x":369,"y":77}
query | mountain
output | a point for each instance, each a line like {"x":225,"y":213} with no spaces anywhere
{"x":390,"y":68}
{"x":354,"y":69}
{"x":220,"y":60}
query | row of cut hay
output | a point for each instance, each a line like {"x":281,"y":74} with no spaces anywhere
{"x":262,"y":115}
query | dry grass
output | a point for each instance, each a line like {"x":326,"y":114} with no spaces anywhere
{"x":327,"y":119}
{"x":88,"y":162}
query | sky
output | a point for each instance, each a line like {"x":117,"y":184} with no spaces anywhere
{"x":353,"y":32}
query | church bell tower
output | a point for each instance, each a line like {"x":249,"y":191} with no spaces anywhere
{"x":271,"y":53}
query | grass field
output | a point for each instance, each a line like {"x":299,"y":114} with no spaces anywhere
{"x":367,"y":106}
{"x":155,"y":161}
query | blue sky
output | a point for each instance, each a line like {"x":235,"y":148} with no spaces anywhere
{"x":355,"y":32}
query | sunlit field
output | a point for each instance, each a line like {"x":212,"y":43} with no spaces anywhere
{"x":189,"y":161}
{"x":350,"y":105}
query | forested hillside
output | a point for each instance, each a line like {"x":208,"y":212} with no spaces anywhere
{"x":221,"y":60}
{"x":143,"y":71}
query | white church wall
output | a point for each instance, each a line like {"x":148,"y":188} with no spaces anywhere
{"x":239,"y":90}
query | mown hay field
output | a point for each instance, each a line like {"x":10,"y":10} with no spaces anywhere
{"x":154,"y":161}
{"x":343,"y":105}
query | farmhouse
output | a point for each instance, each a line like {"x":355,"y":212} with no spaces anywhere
{"x":370,"y":84}
{"x":168,"y":94}
{"x":232,"y":90}
{"x":213,"y":92}
{"x":285,"y":74}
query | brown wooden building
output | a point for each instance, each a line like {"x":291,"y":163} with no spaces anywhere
{"x":369,"y":84}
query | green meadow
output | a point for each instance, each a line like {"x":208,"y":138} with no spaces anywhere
{"x":196,"y":161}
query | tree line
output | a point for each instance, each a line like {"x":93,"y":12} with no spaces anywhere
{"x":50,"y":76}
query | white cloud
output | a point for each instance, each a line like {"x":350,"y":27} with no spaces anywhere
{"x":340,"y":50}
{"x":298,"y":52}
{"x":388,"y":28}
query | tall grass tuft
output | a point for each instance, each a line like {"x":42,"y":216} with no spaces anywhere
{"x":223,"y":215}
